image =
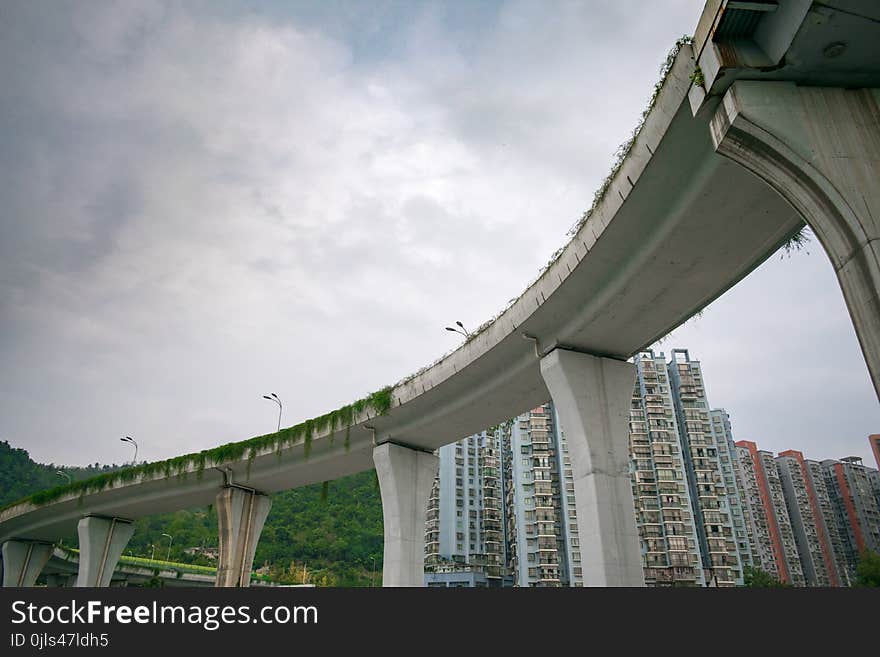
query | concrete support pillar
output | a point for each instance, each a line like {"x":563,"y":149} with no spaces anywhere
{"x":23,"y":561}
{"x":241,"y":514}
{"x":592,"y":397}
{"x":101,"y":542}
{"x":820,"y":149}
{"x":405,"y":479}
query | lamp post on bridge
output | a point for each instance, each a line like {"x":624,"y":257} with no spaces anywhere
{"x":130,"y":440}
{"x":61,"y":473}
{"x":461,"y":330}
{"x":273,"y":397}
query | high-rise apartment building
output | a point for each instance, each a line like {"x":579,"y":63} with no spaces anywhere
{"x":714,"y":524}
{"x":727,"y":458}
{"x":502,"y":510}
{"x":809,"y":506}
{"x":464,"y":522}
{"x":832,"y":517}
{"x":758,"y":527}
{"x":874,"y":478}
{"x":874,"y":441}
{"x":874,"y":475}
{"x":851,"y":488}
{"x":664,"y":513}
{"x":541,"y":521}
{"x":774,"y":549}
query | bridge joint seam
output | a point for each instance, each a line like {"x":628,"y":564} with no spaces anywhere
{"x":542,"y":354}
{"x":856,"y":252}
{"x":398,"y":443}
{"x":247,"y":489}
{"x":594,"y":354}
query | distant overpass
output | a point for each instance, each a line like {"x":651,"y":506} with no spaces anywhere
{"x":767,"y":119}
{"x":63,"y":567}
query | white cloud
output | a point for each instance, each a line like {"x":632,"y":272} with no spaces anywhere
{"x":205,"y":206}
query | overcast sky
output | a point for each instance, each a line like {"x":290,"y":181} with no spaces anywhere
{"x":204,"y":202}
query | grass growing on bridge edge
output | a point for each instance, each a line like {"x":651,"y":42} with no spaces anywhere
{"x":624,"y":149}
{"x":379,"y":402}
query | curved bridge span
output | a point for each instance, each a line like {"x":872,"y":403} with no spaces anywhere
{"x":754,"y":132}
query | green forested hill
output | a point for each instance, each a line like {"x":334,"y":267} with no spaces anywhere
{"x":337,"y":539}
{"x":20,"y":476}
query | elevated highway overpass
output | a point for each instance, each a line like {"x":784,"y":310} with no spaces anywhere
{"x":62,"y":569}
{"x":769,"y":118}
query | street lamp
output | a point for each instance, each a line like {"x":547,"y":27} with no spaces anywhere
{"x":461,"y":330}
{"x":373,"y":572}
{"x":152,"y":551}
{"x":61,"y":473}
{"x":170,"y":541}
{"x":275,"y":399}
{"x":130,"y":440}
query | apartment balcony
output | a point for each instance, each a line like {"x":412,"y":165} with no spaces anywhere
{"x":669,"y":516}
{"x":549,"y":562}
{"x":676,"y":530}
{"x":656,"y":562}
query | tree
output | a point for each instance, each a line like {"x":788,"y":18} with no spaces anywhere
{"x":868,"y":569}
{"x":758,"y":578}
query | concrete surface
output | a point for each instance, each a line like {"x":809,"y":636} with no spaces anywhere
{"x":101,"y":542}
{"x":241,"y":515}
{"x":405,"y":479}
{"x":592,"y":397}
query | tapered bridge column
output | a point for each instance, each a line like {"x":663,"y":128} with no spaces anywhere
{"x":23,"y":561}
{"x":241,"y":513}
{"x":101,"y":542}
{"x":405,"y":479}
{"x":592,"y":397}
{"x":819,"y":147}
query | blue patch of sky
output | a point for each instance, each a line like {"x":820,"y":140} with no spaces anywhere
{"x":373,"y":31}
